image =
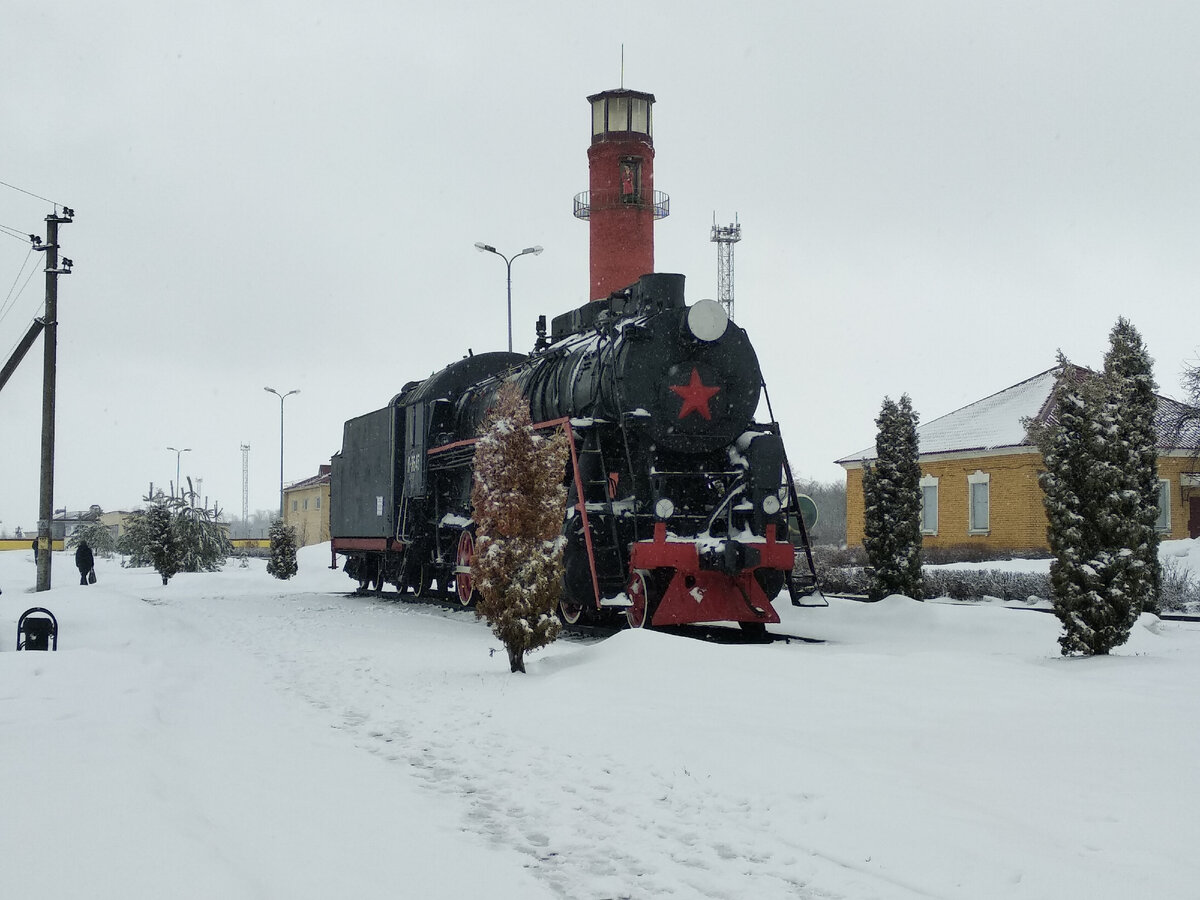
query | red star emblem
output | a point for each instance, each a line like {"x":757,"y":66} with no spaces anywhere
{"x":695,"y":396}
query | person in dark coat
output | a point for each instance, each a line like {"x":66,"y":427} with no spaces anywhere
{"x":84,"y":561}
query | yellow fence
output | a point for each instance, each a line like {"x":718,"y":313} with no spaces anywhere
{"x":23,"y":544}
{"x":238,"y":544}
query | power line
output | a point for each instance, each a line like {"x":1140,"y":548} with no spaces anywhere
{"x":10,"y":302}
{"x":23,"y":236}
{"x":30,"y":193}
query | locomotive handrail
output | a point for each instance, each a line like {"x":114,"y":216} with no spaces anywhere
{"x":582,"y":507}
{"x":794,"y":498}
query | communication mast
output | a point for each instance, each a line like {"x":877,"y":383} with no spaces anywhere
{"x":725,"y":236}
{"x":245,"y":483}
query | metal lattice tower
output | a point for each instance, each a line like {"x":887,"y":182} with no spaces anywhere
{"x":245,"y":483}
{"x":725,"y":236}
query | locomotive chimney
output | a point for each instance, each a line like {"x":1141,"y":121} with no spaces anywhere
{"x":621,"y":204}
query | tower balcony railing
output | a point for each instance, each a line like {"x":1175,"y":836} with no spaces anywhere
{"x":586,"y":201}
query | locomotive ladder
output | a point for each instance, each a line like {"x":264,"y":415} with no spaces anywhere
{"x":593,"y":470}
{"x":803,"y":585}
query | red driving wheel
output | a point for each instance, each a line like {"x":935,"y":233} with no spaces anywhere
{"x":463,"y":582}
{"x":636,"y":615}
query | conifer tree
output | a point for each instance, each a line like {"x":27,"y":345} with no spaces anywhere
{"x":98,"y":537}
{"x":282,"y":563}
{"x":1070,"y":498}
{"x":1129,"y":373}
{"x":161,"y":547}
{"x":1095,"y":497}
{"x":197,"y":534}
{"x":518,"y":499}
{"x":892,"y":499}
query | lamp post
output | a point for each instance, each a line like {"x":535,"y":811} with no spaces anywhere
{"x":178,"y":454}
{"x":281,"y":397}
{"x":508,"y":261}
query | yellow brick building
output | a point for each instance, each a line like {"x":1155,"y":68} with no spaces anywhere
{"x":979,"y":474}
{"x":306,"y":506}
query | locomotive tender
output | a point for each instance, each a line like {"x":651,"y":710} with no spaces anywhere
{"x":681,"y":508}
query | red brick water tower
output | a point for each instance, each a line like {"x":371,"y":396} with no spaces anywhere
{"x":621,"y":204}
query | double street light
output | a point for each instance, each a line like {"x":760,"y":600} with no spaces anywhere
{"x":281,"y":397}
{"x":508,"y":261}
{"x":178,"y":454}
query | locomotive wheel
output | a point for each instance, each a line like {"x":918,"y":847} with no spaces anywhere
{"x":464,"y":584}
{"x":638,"y":614}
{"x":423,"y":589}
{"x":570,"y":611}
{"x":358,"y":568}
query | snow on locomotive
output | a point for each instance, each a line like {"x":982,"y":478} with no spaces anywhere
{"x":681,"y":508}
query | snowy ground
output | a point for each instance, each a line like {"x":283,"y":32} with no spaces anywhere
{"x":233,"y":736}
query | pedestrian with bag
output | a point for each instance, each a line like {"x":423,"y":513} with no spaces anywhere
{"x":85,"y":563}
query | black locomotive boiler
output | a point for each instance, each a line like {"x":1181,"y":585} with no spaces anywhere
{"x":681,"y":508}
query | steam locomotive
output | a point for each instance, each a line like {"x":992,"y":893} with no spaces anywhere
{"x":681,"y":508}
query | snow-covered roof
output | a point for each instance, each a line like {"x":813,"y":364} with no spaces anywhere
{"x":997,"y":422}
{"x":314,"y":481}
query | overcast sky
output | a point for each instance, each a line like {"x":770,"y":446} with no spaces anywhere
{"x":934,"y":196}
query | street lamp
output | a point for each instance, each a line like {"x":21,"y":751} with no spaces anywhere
{"x":508,"y":261}
{"x":281,"y":397}
{"x":179,"y":453}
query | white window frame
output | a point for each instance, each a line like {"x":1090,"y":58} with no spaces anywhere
{"x":1163,"y":524}
{"x":973,"y":527}
{"x":929,"y":481}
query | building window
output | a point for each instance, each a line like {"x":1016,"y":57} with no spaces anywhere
{"x":306,"y":504}
{"x":980,"y":500}
{"x":318,"y":503}
{"x":1164,"y":505}
{"x":929,"y":505}
{"x":630,"y":180}
{"x":295,"y":505}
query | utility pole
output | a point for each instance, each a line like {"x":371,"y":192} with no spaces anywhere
{"x":46,"y":504}
{"x":245,"y":484}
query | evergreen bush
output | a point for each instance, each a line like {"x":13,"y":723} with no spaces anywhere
{"x":175,"y":534}
{"x":282,"y":564}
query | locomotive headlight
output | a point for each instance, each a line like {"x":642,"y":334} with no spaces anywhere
{"x":664,"y":508}
{"x":707,"y":320}
{"x":770,"y":504}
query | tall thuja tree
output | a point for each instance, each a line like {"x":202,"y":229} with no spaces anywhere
{"x":1133,"y":453}
{"x":892,"y":499}
{"x":518,"y":499}
{"x":1098,"y":577}
{"x":1071,"y":497}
